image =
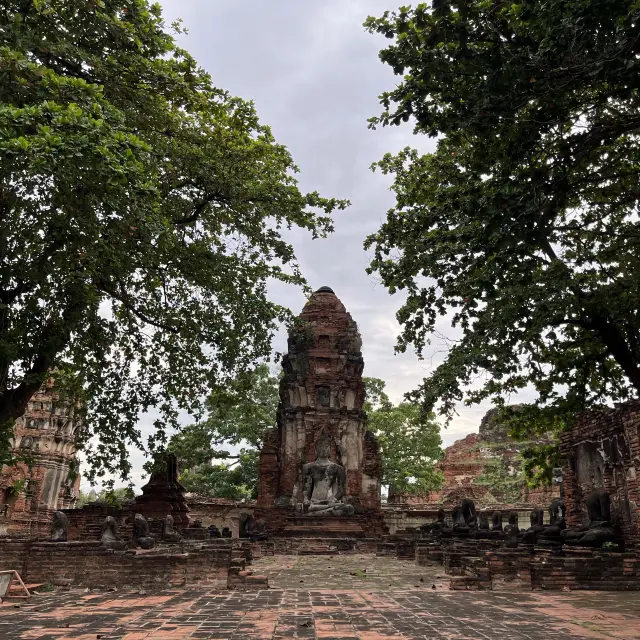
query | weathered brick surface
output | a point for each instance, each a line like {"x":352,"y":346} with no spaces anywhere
{"x":46,"y":434}
{"x":602,"y":450}
{"x":489,"y":565}
{"x":321,"y":393}
{"x":86,"y":524}
{"x":91,"y":565}
{"x":582,"y":569}
{"x":349,"y":597}
{"x":465,"y":466}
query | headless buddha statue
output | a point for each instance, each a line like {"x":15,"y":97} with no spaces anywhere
{"x":552,"y":534}
{"x":600,"y":528}
{"x":530,"y":536}
{"x":324,"y":484}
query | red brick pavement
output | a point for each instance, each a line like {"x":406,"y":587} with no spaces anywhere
{"x":366,"y":609}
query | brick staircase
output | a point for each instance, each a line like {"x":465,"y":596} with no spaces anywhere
{"x":242,"y":579}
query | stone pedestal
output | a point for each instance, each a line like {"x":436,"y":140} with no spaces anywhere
{"x":324,"y":527}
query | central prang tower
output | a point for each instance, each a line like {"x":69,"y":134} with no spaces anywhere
{"x":321,"y":396}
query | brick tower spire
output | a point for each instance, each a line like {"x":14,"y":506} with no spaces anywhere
{"x":321,"y":394}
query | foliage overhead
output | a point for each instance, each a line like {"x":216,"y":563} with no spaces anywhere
{"x":237,"y":416}
{"x":141,"y":211}
{"x":523,"y":222}
{"x":409,"y":441}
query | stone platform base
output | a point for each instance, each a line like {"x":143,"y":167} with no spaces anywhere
{"x":324,"y":527}
{"x":323,"y":546}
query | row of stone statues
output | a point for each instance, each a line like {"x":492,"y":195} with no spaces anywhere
{"x":141,"y":538}
{"x":467,"y":524}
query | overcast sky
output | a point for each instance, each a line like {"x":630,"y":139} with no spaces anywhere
{"x":314,"y":74}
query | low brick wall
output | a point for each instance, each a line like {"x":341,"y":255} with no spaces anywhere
{"x":89,"y":564}
{"x":581,"y":569}
{"x":311,"y":546}
{"x":490,"y":565}
{"x":509,"y":569}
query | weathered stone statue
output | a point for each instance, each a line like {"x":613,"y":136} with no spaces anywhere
{"x":483,"y":532}
{"x":530,"y":536}
{"x":59,"y":527}
{"x":435,"y":528}
{"x":214,"y":532}
{"x":464,"y":519}
{"x":458,"y":528}
{"x":169,"y":533}
{"x":552,"y":534}
{"x":260,"y":531}
{"x":110,"y":538}
{"x":247,"y":525}
{"x":600,"y":529}
{"x":468,"y":508}
{"x":511,"y":531}
{"x":324,"y":484}
{"x":252,"y":528}
{"x":141,"y":536}
{"x":497,"y":532}
{"x":226,"y":532}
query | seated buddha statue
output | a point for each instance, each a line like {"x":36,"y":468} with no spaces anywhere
{"x":530,"y":536}
{"x":600,"y":528}
{"x":497,"y":532}
{"x":434,"y":529}
{"x":552,"y":534}
{"x":324,"y":483}
{"x":512,"y":531}
{"x":482,"y":532}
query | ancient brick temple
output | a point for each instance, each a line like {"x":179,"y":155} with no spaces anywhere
{"x":45,"y":434}
{"x":321,"y":397}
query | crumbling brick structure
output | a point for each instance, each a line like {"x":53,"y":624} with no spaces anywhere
{"x":89,"y":564}
{"x":30,"y":493}
{"x":321,"y":394}
{"x":487,"y":468}
{"x":602,"y":451}
{"x":163,"y":494}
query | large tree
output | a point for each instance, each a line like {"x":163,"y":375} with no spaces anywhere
{"x":522,"y":224}
{"x":409,"y":441}
{"x":218,"y":456}
{"x":141,"y":211}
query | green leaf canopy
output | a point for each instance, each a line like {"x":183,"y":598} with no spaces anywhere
{"x":141,"y":211}
{"x":523,"y":225}
{"x":409,"y":441}
{"x":218,"y":456}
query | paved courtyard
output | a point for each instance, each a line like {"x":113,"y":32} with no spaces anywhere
{"x":341,"y":597}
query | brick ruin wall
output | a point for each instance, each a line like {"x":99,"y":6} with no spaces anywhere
{"x":88,"y":564}
{"x":487,"y":468}
{"x":602,"y":450}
